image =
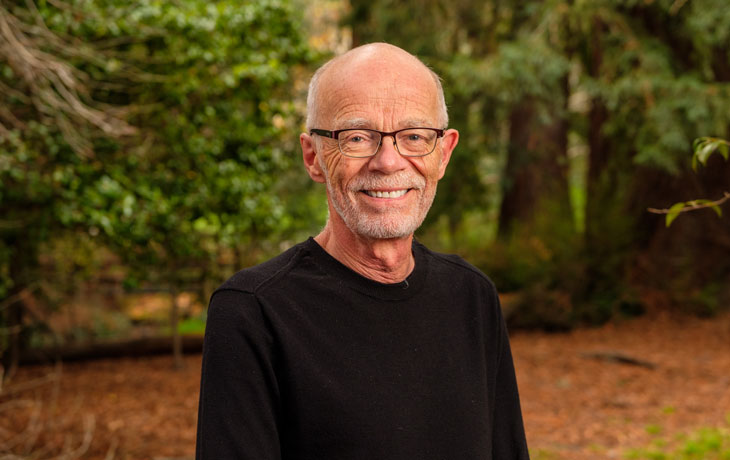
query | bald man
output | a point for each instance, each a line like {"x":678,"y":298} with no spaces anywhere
{"x":360,"y":343}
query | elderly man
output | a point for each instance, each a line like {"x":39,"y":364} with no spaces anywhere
{"x":360,"y":343}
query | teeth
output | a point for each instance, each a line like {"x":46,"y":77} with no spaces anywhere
{"x":379,"y":194}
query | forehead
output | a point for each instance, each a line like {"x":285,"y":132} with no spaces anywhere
{"x":389,"y":91}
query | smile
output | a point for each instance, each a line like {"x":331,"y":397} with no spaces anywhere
{"x":386,"y":194}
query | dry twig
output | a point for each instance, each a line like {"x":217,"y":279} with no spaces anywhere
{"x":56,"y":89}
{"x":620,"y":358}
{"x":43,"y":419}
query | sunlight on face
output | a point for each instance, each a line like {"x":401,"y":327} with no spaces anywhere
{"x":387,"y":195}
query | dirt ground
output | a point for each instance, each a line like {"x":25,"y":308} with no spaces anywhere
{"x":591,"y":393}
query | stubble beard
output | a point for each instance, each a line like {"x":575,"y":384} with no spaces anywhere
{"x":391,"y":223}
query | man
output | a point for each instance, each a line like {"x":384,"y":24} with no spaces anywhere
{"x":361,"y":343}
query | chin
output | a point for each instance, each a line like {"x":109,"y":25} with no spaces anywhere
{"x":382,"y":227}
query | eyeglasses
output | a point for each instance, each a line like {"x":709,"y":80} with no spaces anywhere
{"x":363,"y":143}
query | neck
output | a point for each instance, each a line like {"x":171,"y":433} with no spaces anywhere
{"x":382,"y":260}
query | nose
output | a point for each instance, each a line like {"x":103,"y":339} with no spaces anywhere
{"x":387,"y":159}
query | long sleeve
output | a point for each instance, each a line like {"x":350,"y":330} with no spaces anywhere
{"x":305,"y":359}
{"x":237,"y":415}
{"x":509,"y":433}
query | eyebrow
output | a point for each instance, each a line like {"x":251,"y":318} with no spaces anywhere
{"x":356,"y":123}
{"x":367,"y":124}
{"x":416,"y":123}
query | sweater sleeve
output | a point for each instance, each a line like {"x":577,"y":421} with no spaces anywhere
{"x":237,"y":412}
{"x":509,"y":432}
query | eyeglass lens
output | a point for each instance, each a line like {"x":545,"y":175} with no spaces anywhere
{"x":365,"y":143}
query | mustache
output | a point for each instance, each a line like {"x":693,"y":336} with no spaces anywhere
{"x":399,"y":180}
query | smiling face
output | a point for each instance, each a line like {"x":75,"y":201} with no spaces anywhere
{"x":378,"y":87}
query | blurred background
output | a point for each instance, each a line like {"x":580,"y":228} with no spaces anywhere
{"x":149,"y":149}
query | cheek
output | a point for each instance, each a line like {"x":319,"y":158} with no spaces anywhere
{"x":428,"y":167}
{"x":341,"y":169}
{"x":331,"y":161}
{"x":337,"y":169}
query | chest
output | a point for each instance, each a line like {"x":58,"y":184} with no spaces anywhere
{"x":359,"y":376}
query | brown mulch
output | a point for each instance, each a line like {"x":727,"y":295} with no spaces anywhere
{"x":591,"y":393}
{"x":580,"y":404}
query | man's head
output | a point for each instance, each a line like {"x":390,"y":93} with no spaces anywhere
{"x":314,"y":96}
{"x":378,"y":87}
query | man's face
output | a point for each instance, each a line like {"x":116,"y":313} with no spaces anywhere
{"x":387,"y":195}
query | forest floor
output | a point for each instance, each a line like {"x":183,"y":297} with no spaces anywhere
{"x":591,"y":393}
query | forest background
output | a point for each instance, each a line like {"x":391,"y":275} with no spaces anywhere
{"x":151,"y":148}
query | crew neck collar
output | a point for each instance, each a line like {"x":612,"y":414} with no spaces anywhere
{"x":385,"y":291}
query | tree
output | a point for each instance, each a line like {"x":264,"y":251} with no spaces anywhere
{"x":649,"y":70}
{"x":499,"y":79}
{"x":48,"y":125}
{"x":204,"y":93}
{"x":628,"y":83}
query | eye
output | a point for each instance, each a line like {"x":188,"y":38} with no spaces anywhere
{"x":356,"y":136}
{"x":414,"y":136}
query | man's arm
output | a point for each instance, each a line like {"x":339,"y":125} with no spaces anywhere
{"x":237,"y":414}
{"x":509,"y":441}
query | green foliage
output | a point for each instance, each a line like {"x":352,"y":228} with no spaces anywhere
{"x":629,"y":83}
{"x":704,"y":147}
{"x":207,"y":86}
{"x":703,"y":444}
{"x":192,"y":326}
{"x":674,"y":212}
{"x":218,"y":107}
{"x":175,"y":124}
{"x":166,"y":130}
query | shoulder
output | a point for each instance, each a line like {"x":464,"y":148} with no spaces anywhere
{"x":466,"y":286}
{"x":250,"y":279}
{"x":454,"y":266}
{"x":235,"y":303}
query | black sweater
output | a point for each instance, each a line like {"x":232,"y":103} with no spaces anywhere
{"x":306,"y":359}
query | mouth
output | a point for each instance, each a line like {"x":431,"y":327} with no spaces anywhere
{"x":386,"y":193}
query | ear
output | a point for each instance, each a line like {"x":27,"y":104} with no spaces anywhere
{"x":309,"y":156}
{"x":448,"y":144}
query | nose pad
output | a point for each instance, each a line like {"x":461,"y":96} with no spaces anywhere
{"x":395,"y":145}
{"x":386,"y":160}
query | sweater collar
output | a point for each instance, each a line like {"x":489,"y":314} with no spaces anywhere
{"x":385,"y":291}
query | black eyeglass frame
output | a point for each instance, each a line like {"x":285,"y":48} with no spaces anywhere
{"x":336,"y":133}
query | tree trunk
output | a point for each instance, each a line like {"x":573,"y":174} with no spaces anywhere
{"x":24,"y":256}
{"x":596,"y":184}
{"x":146,"y":346}
{"x":536,"y":173}
{"x":608,"y":225}
{"x":177,"y":352}
{"x":12,"y":328}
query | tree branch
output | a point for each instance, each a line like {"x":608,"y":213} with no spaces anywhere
{"x":693,"y":206}
{"x":52,"y":85}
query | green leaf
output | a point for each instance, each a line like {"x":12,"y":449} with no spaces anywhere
{"x":724,"y":150}
{"x":708,"y":203}
{"x":706,"y":146}
{"x":705,"y":152}
{"x":674,"y":212}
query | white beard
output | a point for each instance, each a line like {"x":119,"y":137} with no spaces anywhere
{"x":391,"y":223}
